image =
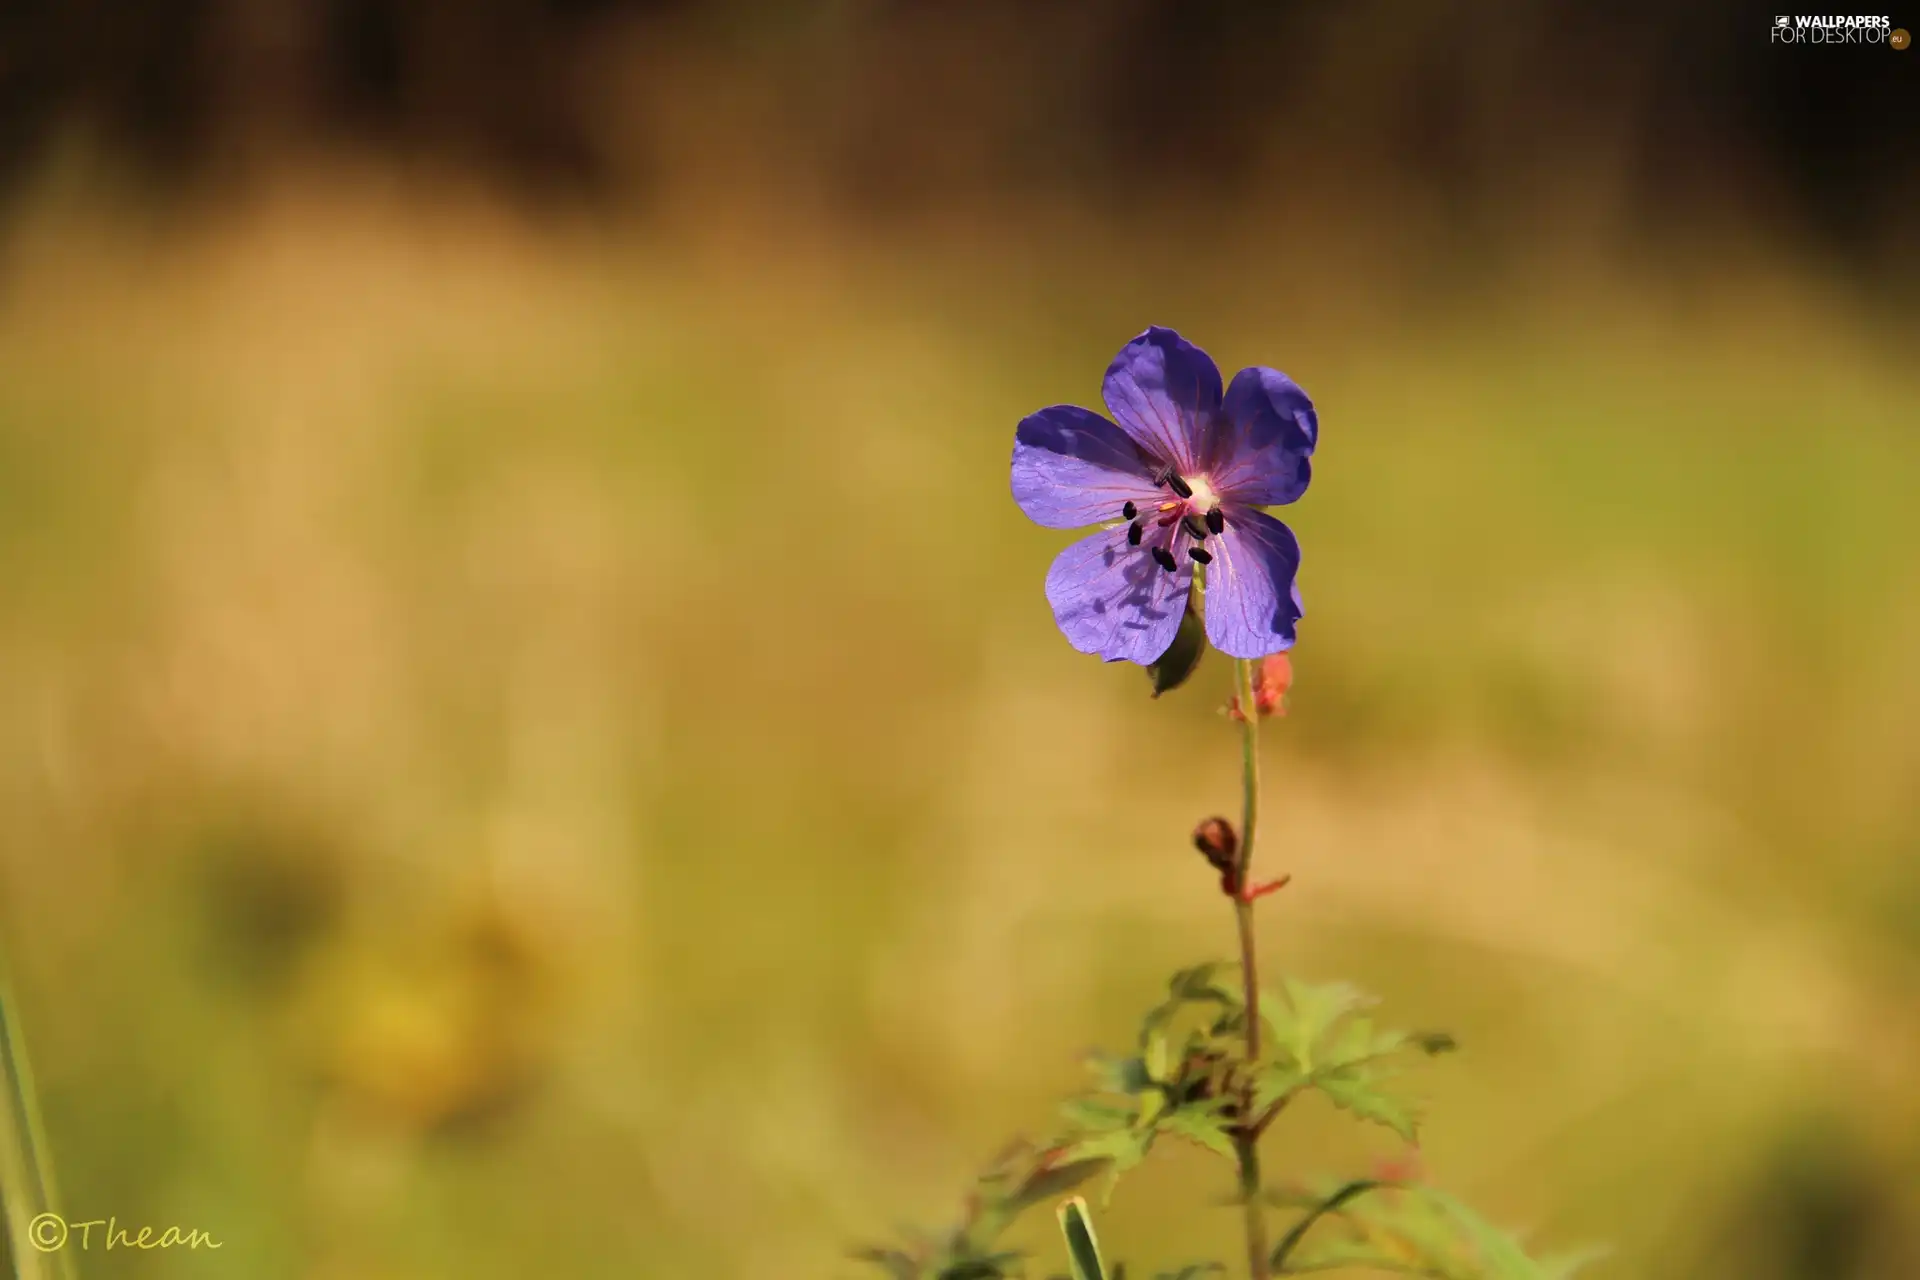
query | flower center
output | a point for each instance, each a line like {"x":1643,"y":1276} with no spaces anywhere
{"x":1183,"y":522}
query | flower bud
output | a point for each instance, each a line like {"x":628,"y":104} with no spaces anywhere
{"x":1216,"y":841}
{"x":1405,"y":1167}
{"x":1271,"y":680}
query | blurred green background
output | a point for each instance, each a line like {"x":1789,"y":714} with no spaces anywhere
{"x":533,"y":743}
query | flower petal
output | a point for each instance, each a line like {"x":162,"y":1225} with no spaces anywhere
{"x":1071,"y":467}
{"x":1253,"y":600}
{"x":1261,"y":453}
{"x":1165,"y":392}
{"x":1115,"y":600}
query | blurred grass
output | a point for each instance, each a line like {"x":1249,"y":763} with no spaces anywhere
{"x":528,"y":743}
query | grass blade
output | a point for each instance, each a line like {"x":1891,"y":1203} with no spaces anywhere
{"x":1083,"y":1250}
{"x":26,"y":1176}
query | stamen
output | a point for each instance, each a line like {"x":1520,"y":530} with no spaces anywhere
{"x":1162,"y":475}
{"x":1200,"y":554}
{"x":1167,"y":506}
{"x":1133,"y":532}
{"x":1180,"y":486}
{"x":1129,"y":511}
{"x":1164,"y":558}
{"x":1216,"y":521}
{"x":1193,"y":526}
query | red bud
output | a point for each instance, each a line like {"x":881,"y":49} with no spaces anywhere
{"x":1271,"y":680}
{"x":1216,"y":840}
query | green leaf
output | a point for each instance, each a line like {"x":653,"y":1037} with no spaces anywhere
{"x":1499,"y":1252}
{"x":1197,"y":986}
{"x":1124,"y":1147}
{"x":1171,"y":669}
{"x":1093,"y":1115}
{"x":1158,"y":1058}
{"x":1120,"y":1075}
{"x":1358,"y":1094}
{"x":1323,"y":1040}
{"x":1275,"y":1082}
{"x":1420,"y":1231}
{"x":1083,"y":1248}
{"x":1204,"y":1127}
{"x":1116,"y":1145}
{"x":1306,"y":1012}
{"x":1353,"y":1040}
{"x":1151,"y":1105}
{"x":1056,"y":1180}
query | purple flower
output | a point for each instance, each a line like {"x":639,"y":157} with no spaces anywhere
{"x":1180,"y":482}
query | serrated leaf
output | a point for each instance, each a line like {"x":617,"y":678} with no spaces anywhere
{"x":1151,"y":1105}
{"x":1083,"y":1247}
{"x":1196,"y":985}
{"x":1364,"y":1099}
{"x":1420,"y":1231}
{"x":1204,"y":1128}
{"x":1281,"y":1023}
{"x":1353,"y":1041}
{"x":1124,"y":1147}
{"x":1275,"y":1082}
{"x":1305,"y":1013}
{"x":1495,"y":1248}
{"x":1116,"y":1145}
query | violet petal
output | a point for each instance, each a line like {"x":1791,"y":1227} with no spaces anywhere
{"x":1071,"y":468}
{"x":1165,"y":393}
{"x":1113,"y":600}
{"x":1261,"y":452}
{"x":1253,"y":598}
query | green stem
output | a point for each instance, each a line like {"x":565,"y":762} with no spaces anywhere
{"x":1247,"y":1147}
{"x":1247,"y":1142}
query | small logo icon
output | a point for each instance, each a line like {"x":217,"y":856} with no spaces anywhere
{"x":1781,"y":20}
{"x":1899,"y":38}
